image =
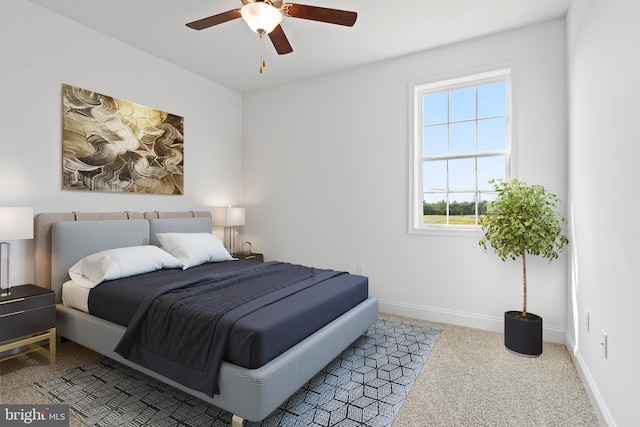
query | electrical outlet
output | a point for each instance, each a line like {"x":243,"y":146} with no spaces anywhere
{"x":604,"y":344}
{"x":586,"y":320}
{"x":360,"y":269}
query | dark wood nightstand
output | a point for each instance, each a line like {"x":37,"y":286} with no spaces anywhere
{"x":28,"y":316}
{"x":254,"y":256}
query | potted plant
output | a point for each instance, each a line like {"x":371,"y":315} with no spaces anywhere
{"x":522,"y":221}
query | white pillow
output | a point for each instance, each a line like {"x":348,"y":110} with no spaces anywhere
{"x":193,"y":249}
{"x":121,"y":262}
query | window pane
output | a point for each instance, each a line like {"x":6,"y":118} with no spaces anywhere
{"x":492,"y":99}
{"x":487,"y":197}
{"x":483,"y":200}
{"x":489,"y":168}
{"x":462,"y":175}
{"x":492,"y":134}
{"x":435,"y":208}
{"x":463,"y":104}
{"x":435,"y":176}
{"x":434,"y":140}
{"x":434,"y":108}
{"x":462,"y":138}
{"x":438,"y":201}
{"x":462,"y":209}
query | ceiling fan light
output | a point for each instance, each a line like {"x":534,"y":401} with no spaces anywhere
{"x":261,"y":17}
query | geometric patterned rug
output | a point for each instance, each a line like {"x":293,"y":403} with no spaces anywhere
{"x":364,"y":386}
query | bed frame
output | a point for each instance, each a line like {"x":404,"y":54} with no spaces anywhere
{"x":252,"y":394}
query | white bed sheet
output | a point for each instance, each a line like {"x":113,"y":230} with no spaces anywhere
{"x":75,"y":296}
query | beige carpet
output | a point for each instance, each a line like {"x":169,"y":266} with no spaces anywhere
{"x":469,"y":379}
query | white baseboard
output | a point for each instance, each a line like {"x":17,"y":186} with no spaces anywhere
{"x":495,"y":324}
{"x":599,"y":406}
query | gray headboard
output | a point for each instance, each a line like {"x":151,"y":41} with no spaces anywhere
{"x":72,"y":240}
{"x":61,"y":242}
{"x":177,"y":225}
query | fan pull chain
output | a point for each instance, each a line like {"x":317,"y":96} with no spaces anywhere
{"x":263,"y":63}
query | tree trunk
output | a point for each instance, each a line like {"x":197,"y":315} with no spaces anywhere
{"x":524,"y":284}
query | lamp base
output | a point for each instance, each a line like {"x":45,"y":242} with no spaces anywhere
{"x":231,"y":240}
{"x":5,"y":287}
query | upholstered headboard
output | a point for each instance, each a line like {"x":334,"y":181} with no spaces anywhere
{"x":61,"y":239}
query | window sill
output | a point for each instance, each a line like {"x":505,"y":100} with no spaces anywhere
{"x":448,"y":230}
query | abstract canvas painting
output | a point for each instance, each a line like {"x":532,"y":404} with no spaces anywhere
{"x":112,"y":145}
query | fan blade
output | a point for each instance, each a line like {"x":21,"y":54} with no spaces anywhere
{"x":322,"y":14}
{"x":280,"y":41}
{"x":220,"y":18}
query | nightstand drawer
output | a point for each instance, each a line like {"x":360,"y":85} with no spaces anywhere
{"x":252,"y":256}
{"x":16,"y":302}
{"x":20,"y":323}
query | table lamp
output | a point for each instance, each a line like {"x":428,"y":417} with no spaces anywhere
{"x":229,"y":218}
{"x":15,"y":224}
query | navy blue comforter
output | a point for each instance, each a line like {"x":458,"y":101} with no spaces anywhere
{"x":182,"y":325}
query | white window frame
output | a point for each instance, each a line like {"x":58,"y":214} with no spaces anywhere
{"x":416,"y":191}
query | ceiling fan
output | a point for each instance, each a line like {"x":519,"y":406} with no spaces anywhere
{"x":264,"y":17}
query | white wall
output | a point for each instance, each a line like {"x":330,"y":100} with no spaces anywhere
{"x":326,"y":173}
{"x":604,"y":147}
{"x":40,"y":52}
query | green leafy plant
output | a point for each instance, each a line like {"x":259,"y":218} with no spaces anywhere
{"x":523,"y":220}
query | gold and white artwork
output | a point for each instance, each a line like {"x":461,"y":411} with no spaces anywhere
{"x":112,"y":145}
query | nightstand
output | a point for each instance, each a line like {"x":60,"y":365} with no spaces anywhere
{"x":27,"y":317}
{"x":254,"y":256}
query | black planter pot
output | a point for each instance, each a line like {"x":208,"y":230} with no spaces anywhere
{"x":523,"y":335}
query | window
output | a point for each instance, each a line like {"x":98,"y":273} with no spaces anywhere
{"x":461,"y":140}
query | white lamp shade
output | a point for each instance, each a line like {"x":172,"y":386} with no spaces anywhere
{"x":261,"y":17}
{"x":16,"y":223}
{"x":228,"y":217}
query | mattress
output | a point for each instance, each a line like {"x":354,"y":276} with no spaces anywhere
{"x":75,"y":296}
{"x":255,"y":338}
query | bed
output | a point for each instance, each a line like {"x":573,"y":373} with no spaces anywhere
{"x":248,"y":392}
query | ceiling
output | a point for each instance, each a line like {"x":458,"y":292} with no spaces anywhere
{"x":229,"y":53}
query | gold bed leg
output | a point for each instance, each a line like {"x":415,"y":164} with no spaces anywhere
{"x":236,"y":421}
{"x":53,"y":341}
